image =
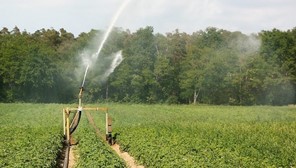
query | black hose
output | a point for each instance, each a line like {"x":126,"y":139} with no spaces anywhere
{"x":75,"y":121}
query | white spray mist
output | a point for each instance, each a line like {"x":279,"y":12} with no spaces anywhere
{"x":87,"y":61}
{"x":117,"y":59}
{"x":116,"y":16}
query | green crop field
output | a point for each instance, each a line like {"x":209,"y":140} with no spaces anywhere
{"x":30,"y":135}
{"x":207,"y":136}
{"x":156,"y":135}
{"x":92,"y":151}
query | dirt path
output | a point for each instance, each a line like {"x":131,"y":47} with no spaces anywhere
{"x":129,"y":160}
{"x":72,"y":159}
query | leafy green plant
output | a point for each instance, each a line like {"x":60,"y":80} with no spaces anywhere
{"x":31,"y":135}
{"x":92,"y":150}
{"x":207,"y":136}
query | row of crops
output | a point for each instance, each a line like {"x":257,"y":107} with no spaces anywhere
{"x":207,"y":136}
{"x":156,"y":135}
{"x":92,"y":150}
{"x":31,"y":135}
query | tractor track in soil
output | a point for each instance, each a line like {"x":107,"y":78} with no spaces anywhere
{"x":72,"y":158}
{"x":67,"y":158}
{"x":129,"y":160}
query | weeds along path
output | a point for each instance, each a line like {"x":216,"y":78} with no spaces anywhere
{"x":129,"y":160}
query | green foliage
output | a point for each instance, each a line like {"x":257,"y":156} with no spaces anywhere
{"x":92,"y":151}
{"x":30,"y":66}
{"x":207,"y":136}
{"x":156,"y":135}
{"x":213,"y":66}
{"x":31,"y":135}
{"x":138,"y":67}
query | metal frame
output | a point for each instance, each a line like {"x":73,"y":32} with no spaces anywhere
{"x":66,"y":119}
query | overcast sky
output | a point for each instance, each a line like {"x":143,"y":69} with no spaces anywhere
{"x":76,"y":16}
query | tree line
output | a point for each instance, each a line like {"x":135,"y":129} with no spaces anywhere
{"x":211,"y":66}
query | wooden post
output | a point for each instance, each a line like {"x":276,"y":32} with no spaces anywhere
{"x":109,"y":125}
{"x":106,"y":123}
{"x":68,"y":125}
{"x":64,"y":122}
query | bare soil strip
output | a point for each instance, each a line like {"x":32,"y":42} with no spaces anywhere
{"x":129,"y":160}
{"x":62,"y":156}
{"x":72,"y":160}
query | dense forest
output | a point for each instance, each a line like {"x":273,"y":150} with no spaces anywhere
{"x":211,"y":66}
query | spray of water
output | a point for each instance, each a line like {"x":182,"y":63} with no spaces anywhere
{"x":117,"y":59}
{"x":96,"y":55}
{"x":84,"y":75}
{"x":87,"y":61}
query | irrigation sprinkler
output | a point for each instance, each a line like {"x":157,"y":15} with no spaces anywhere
{"x":70,"y":125}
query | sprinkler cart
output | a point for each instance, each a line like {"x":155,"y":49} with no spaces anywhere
{"x":70,"y":126}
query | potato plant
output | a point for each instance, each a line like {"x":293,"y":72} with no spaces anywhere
{"x":207,"y":136}
{"x":92,"y":150}
{"x":30,"y":135}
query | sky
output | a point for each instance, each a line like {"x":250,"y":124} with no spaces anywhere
{"x":77,"y":16}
